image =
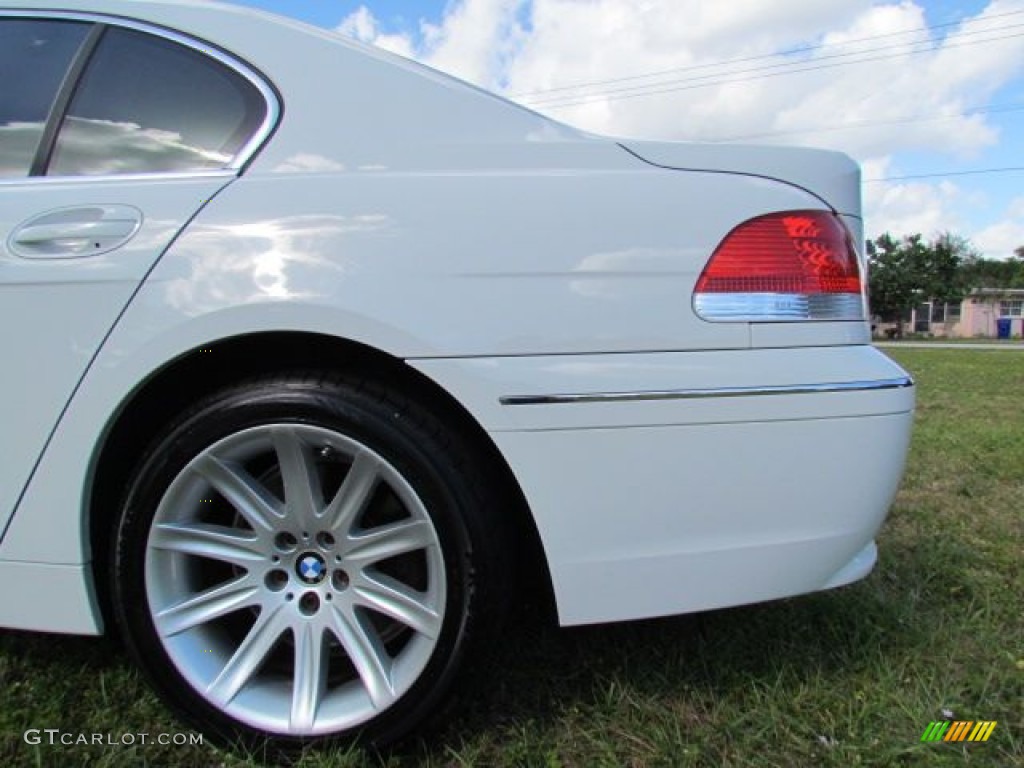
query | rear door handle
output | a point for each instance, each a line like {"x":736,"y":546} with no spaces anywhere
{"x":76,"y":232}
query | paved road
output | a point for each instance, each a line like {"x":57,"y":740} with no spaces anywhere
{"x":1017,"y":346}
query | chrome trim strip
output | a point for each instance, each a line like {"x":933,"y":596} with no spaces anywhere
{"x":707,"y":394}
{"x":270,"y":98}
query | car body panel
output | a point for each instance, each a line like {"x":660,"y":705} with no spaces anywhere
{"x":616,"y":275}
{"x":68,"y":304}
{"x":62,"y":598}
{"x":683,"y":388}
{"x":320,"y":253}
{"x":727,"y":490}
{"x":502,"y":255}
{"x":831,"y":176}
{"x":653,"y":521}
{"x":660,"y":493}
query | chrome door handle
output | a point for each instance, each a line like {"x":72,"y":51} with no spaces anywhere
{"x":84,"y":230}
{"x":76,"y":232}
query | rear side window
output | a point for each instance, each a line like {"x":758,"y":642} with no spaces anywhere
{"x":150,"y":105}
{"x":34,"y":58}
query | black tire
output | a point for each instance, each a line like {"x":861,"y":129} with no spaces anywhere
{"x":154,"y":573}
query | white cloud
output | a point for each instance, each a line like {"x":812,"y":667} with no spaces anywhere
{"x":861,"y":108}
{"x":472,"y":41}
{"x":360,"y":24}
{"x":363,"y":26}
{"x":525,"y":46}
{"x":903,"y":208}
{"x":999,"y":240}
{"x":475,"y":40}
{"x":722,"y":68}
{"x":909,"y":207}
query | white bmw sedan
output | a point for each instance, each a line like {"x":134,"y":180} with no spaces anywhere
{"x":313,"y":357}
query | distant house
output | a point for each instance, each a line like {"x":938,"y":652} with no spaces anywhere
{"x":986,"y":313}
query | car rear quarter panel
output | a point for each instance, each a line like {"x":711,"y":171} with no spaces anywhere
{"x":650,"y":507}
{"x":463,"y":273}
{"x":488,"y":234}
{"x":495,"y":262}
{"x":536,"y":261}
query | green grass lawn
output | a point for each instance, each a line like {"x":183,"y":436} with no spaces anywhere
{"x":920,"y":338}
{"x":845,"y":678}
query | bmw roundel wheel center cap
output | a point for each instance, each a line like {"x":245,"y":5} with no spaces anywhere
{"x":311,"y":568}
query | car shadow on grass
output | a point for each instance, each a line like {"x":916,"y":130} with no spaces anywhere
{"x":545,"y":681}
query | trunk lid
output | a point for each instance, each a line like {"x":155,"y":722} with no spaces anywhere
{"x":832,"y":177}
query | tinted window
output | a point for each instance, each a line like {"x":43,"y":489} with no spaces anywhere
{"x":34,"y":56}
{"x":147,"y":105}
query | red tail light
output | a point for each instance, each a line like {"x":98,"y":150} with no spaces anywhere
{"x":797,"y":265}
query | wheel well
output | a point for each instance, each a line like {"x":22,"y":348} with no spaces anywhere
{"x":205,"y":370}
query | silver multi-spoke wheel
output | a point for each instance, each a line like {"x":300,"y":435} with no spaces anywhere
{"x":305,"y":557}
{"x":295,"y":579}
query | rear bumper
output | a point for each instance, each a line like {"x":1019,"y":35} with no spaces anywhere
{"x":746,"y":476}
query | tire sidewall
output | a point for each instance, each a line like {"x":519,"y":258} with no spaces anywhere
{"x":390,"y":431}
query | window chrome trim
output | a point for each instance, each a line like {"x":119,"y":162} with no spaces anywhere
{"x":113,"y":178}
{"x":210,"y":50}
{"x":707,"y":394}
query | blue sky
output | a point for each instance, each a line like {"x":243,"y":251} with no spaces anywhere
{"x":924,"y":93}
{"x":396,"y":14}
{"x":404,"y":15}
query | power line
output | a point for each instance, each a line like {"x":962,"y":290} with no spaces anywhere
{"x":790,"y":67}
{"x":655,"y":89}
{"x":946,"y":174}
{"x":994,"y":109}
{"x":790,"y":52}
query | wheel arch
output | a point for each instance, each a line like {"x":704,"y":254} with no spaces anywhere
{"x":207,"y":368}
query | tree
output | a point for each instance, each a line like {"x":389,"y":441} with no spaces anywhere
{"x":945,"y":277}
{"x":906,"y":272}
{"x":893,"y":283}
{"x":995,"y":273}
